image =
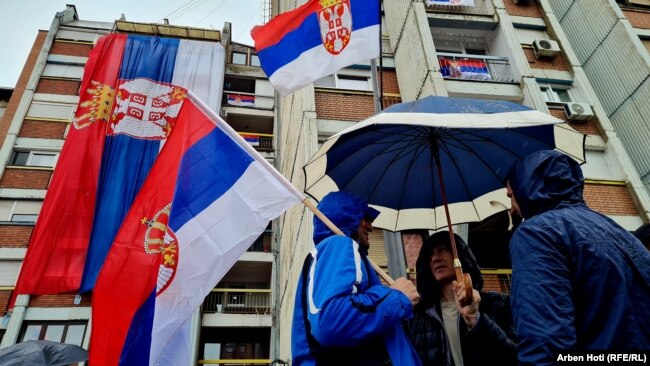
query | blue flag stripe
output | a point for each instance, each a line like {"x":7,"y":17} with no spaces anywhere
{"x":215,"y":156}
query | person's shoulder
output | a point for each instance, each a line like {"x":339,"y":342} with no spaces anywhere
{"x":334,"y":244}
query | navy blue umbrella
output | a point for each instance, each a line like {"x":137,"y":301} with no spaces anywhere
{"x":42,"y":353}
{"x":437,"y":161}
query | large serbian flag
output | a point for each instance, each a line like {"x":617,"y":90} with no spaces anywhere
{"x":128,"y":102}
{"x":154,"y":78}
{"x":317,"y":39}
{"x":208,"y":197}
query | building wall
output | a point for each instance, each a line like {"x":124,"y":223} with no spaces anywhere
{"x":618,"y":67}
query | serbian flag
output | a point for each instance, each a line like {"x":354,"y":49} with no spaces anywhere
{"x":154,"y":77}
{"x":252,"y":139}
{"x":450,"y":2}
{"x":57,"y":249}
{"x":207,"y":198}
{"x":464,"y":69}
{"x":241,"y":100}
{"x":317,"y":39}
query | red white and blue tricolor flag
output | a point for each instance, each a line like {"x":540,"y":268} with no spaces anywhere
{"x":208,"y":196}
{"x":132,"y":90}
{"x":470,"y":69}
{"x":241,"y":100}
{"x":317,"y":39}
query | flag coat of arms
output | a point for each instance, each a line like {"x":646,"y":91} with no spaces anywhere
{"x":207,"y":198}
{"x":317,"y":39}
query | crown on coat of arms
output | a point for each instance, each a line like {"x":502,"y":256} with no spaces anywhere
{"x":97,"y":107}
{"x":328,"y":3}
{"x":156,"y":229}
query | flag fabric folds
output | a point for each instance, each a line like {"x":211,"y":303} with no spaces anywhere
{"x":207,"y":198}
{"x":154,"y":76}
{"x":129,"y":98}
{"x":57,"y":249}
{"x":317,"y":39}
{"x":469,"y":69}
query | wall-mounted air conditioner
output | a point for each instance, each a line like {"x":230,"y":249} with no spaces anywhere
{"x":578,"y":111}
{"x":545,"y":48}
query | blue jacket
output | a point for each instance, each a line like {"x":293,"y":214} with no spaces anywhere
{"x":347,"y":307}
{"x":580,"y":281}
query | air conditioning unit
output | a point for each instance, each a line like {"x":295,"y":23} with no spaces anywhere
{"x":578,"y":111}
{"x":545,"y":47}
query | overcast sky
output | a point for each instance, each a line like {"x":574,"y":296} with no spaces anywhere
{"x":21,"y":20}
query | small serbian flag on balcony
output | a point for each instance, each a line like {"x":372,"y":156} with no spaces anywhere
{"x":241,"y":100}
{"x":464,"y":69}
{"x":207,"y":198}
{"x":317,"y":39}
{"x":253,"y":140}
{"x":450,"y":2}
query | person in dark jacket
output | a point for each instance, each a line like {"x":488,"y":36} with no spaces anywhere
{"x":343,"y":315}
{"x":643,"y":234}
{"x":445,"y":333}
{"x":580,"y":281}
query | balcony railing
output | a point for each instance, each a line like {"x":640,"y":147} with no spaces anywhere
{"x":263,"y":243}
{"x":238,"y":301}
{"x":475,"y":67}
{"x":260,"y":141}
{"x":504,"y":276}
{"x":248,"y":100}
{"x":238,"y":362}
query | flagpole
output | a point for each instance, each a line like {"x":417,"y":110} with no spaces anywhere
{"x":337,"y":231}
{"x":260,"y":159}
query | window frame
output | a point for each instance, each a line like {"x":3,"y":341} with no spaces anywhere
{"x":46,"y":323}
{"x":232,"y":58}
{"x":550,"y":94}
{"x":336,"y":78}
{"x":31,"y":155}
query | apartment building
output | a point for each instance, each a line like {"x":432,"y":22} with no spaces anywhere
{"x":236,"y":319}
{"x":583,"y":62}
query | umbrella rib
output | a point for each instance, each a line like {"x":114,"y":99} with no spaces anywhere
{"x":446,"y":148}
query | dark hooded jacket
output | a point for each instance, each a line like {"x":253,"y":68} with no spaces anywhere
{"x":343,"y":315}
{"x":490,"y":342}
{"x":580,"y":281}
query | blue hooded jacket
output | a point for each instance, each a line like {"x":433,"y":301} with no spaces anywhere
{"x":580,"y":281}
{"x":345,"y":303}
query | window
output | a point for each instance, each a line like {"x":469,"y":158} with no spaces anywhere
{"x":34,"y":158}
{"x":351,"y":82}
{"x":63,"y":332}
{"x":449,"y":43}
{"x":238,"y":58}
{"x":67,"y":71}
{"x":556,"y":94}
{"x":50,"y":111}
{"x":19,"y":211}
{"x":255,"y":60}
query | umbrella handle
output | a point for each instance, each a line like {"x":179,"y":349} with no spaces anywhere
{"x":384,"y":276}
{"x":464,"y":277}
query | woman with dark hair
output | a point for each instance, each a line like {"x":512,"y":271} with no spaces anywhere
{"x":446,"y":333}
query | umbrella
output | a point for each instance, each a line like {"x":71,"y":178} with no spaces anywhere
{"x":437,"y":161}
{"x":45,"y":353}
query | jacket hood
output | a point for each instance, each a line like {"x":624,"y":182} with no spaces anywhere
{"x":427,"y":285}
{"x":544,"y":180}
{"x":345,"y":211}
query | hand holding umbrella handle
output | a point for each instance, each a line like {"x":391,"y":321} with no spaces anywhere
{"x":464,"y":277}
{"x":384,"y":276}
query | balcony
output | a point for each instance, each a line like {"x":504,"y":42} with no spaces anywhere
{"x":260,"y":141}
{"x":248,"y":100}
{"x":475,"y":67}
{"x":263,"y":243}
{"x":238,"y":301}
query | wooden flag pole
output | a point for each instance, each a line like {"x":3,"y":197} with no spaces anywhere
{"x":337,"y":231}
